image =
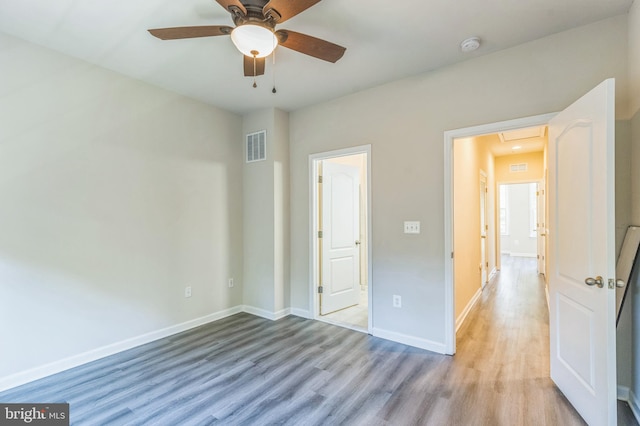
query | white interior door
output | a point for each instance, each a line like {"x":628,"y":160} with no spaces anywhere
{"x":541,"y":228}
{"x":483,"y":231}
{"x":340,"y":237}
{"x":582,"y":254}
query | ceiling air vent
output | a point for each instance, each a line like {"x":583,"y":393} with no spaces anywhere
{"x":257,"y":146}
{"x":515,"y":168}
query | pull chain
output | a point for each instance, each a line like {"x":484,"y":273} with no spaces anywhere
{"x":274,"y":73}
{"x":255,"y":70}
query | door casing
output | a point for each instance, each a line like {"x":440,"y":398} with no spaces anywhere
{"x":449,"y":137}
{"x":314,"y":160}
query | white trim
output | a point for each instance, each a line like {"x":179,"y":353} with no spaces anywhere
{"x":303,"y":313}
{"x":493,"y":273}
{"x":259,"y":312}
{"x":409,"y":340}
{"x":512,"y":254}
{"x":313,"y":231}
{"x":546,"y":292}
{"x":114,"y":348}
{"x":449,"y":136}
{"x":634,"y":405}
{"x":623,"y":393}
{"x":465,"y":312}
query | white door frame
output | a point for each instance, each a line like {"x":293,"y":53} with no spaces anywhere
{"x":484,"y":230}
{"x":449,"y":136}
{"x":314,"y":159}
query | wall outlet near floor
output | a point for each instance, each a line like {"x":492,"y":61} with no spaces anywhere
{"x":187,"y":291}
{"x":230,"y":282}
{"x":397,"y":301}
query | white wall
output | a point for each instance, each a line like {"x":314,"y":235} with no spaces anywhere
{"x":404,"y":121}
{"x":115,"y":195}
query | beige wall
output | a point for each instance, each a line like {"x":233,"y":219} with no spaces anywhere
{"x":629,"y":328}
{"x":116,"y":195}
{"x":534,"y":173}
{"x":404,"y":122}
{"x":471,"y":157}
{"x":634,"y":58}
{"x":266,"y":216}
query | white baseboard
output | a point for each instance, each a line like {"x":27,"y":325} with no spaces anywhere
{"x":409,"y":340}
{"x":634,"y":405}
{"x":303,"y":313}
{"x":512,"y":254}
{"x":623,"y":393}
{"x":492,"y":274}
{"x":546,"y":293}
{"x":259,"y":312}
{"x":36,"y":373}
{"x":465,"y":312}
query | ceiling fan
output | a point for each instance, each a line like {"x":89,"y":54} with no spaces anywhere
{"x":255,"y":34}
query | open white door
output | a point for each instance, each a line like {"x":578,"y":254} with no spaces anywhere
{"x":582,"y":254}
{"x":340,"y":237}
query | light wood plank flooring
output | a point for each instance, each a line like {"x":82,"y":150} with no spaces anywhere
{"x":244,"y":370}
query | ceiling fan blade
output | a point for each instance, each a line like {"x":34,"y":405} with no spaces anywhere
{"x":248,"y":66}
{"x":229,"y":4}
{"x":286,"y":9}
{"x":190,"y":32}
{"x":311,"y":46}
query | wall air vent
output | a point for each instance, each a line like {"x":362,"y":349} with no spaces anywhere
{"x":515,"y":168}
{"x":257,"y":146}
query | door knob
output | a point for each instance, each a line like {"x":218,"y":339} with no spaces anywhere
{"x":620,"y":283}
{"x":358,"y":242}
{"x":594,"y":281}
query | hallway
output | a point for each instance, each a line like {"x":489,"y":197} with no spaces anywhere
{"x":504,"y":347}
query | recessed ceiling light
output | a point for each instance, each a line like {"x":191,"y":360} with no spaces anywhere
{"x":470,"y":44}
{"x":516,"y":147}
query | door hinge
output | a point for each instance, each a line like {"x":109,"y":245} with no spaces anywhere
{"x":319,"y":179}
{"x":452,"y":255}
{"x":320,"y":289}
{"x":487,"y":264}
{"x":319,"y":234}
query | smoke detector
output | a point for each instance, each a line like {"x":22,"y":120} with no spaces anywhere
{"x":470,"y":44}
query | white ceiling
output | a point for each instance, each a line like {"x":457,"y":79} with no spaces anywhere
{"x":385,"y":41}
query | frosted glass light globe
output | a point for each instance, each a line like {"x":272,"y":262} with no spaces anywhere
{"x":254,"y":40}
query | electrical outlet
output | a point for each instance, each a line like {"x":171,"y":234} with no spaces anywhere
{"x":187,"y":291}
{"x":230,"y":282}
{"x":397,"y":301}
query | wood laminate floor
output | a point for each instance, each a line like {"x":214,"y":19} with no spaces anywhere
{"x":245,"y":370}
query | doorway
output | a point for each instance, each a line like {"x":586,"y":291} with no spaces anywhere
{"x":340,"y":283}
{"x":454,"y":254}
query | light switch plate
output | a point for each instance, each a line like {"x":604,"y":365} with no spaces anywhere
{"x":411,"y":227}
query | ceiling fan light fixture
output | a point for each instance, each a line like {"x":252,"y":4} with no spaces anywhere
{"x":254,"y":40}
